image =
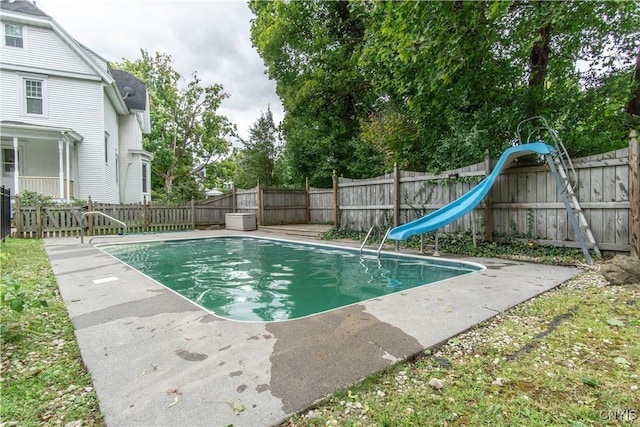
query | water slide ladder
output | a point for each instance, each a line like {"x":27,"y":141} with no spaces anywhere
{"x":558,"y":167}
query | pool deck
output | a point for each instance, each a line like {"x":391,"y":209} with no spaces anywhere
{"x":158,"y":359}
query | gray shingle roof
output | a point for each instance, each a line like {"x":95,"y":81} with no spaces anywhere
{"x":22,"y":6}
{"x":136,"y":100}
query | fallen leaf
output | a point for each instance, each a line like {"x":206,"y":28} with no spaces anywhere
{"x":621,"y":361}
{"x":615,"y":322}
{"x":237,"y":407}
{"x":174,"y":391}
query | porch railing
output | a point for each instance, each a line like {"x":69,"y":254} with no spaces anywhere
{"x":47,"y":186}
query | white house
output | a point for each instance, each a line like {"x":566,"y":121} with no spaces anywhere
{"x":70,"y":126}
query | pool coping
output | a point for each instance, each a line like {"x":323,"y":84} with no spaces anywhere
{"x":459,"y":263}
{"x":156,"y":359}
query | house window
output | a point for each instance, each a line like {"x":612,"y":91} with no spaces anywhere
{"x":8,"y":161}
{"x":145,"y":182}
{"x":34,"y":95}
{"x":13,"y":36}
{"x":106,"y":147}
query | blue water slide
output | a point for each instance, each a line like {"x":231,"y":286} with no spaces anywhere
{"x":468,"y":201}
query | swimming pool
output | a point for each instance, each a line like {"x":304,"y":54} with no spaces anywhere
{"x":257,"y":279}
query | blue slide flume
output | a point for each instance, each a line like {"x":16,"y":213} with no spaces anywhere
{"x":468,"y":201}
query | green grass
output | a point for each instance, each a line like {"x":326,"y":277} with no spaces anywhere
{"x":42,"y":378}
{"x":569,"y":358}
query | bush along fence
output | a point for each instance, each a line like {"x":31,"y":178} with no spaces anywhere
{"x":523,"y":203}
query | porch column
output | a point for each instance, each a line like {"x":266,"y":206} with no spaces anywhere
{"x":67,"y":171}
{"x":16,"y":170}
{"x":60,"y":172}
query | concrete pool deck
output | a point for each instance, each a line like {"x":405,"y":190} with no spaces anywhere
{"x":157,"y":359}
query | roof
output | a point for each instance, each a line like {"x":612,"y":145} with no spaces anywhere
{"x":137,"y":98}
{"x":14,"y":127}
{"x":22,"y":6}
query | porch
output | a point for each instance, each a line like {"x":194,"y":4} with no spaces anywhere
{"x":38,"y":158}
{"x":48,"y":186}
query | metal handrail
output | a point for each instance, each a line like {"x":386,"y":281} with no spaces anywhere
{"x":98,"y":213}
{"x":365,"y":239}
{"x":383,"y":240}
{"x":563,"y":155}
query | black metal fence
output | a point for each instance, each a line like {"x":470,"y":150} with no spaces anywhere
{"x":5,"y":212}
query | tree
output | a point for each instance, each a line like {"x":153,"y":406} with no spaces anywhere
{"x":311,"y":48}
{"x":187,"y":134}
{"x":432,"y":85}
{"x":257,"y":162}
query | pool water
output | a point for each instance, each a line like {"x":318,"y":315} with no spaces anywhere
{"x":256,"y":279}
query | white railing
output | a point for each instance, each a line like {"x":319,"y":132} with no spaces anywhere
{"x":47,"y":186}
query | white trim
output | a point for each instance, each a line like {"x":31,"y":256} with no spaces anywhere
{"x":145,"y":178}
{"x":60,"y":170}
{"x":19,"y":68}
{"x":16,"y":171}
{"x":25,"y":32}
{"x":24,"y":77}
{"x":67,"y":169}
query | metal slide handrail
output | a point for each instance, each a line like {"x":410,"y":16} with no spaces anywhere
{"x":563,"y":154}
{"x":98,"y":213}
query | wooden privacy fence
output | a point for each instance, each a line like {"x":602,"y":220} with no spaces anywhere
{"x":524,"y":202}
{"x":272,"y":206}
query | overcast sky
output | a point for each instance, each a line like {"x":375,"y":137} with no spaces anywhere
{"x":211,"y":37}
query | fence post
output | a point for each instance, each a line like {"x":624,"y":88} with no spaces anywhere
{"x":39,"y":221}
{"x":18,"y":218}
{"x":488,"y":214}
{"x":89,"y":217}
{"x":336,"y":205}
{"x":396,"y":195}
{"x":234,"y":199}
{"x":193,"y":214}
{"x":308,"y":190}
{"x":145,"y":212}
{"x":634,"y":194}
{"x":260,"y":207}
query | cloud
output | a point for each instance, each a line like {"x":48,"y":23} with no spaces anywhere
{"x":211,"y":38}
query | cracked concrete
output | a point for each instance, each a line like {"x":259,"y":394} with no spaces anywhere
{"x":158,"y":359}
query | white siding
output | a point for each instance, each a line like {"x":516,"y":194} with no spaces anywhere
{"x":9,"y":90}
{"x":39,"y":159}
{"x":133,"y":183}
{"x":75,"y":98}
{"x":111,"y":191}
{"x":45,"y":50}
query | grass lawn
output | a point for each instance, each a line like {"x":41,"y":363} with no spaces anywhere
{"x":569,"y":357}
{"x":42,"y":378}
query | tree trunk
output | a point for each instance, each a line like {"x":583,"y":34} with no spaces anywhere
{"x":539,"y":61}
{"x":633,"y":107}
{"x":168,"y":183}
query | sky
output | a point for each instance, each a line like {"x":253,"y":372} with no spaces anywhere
{"x":210,"y":37}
